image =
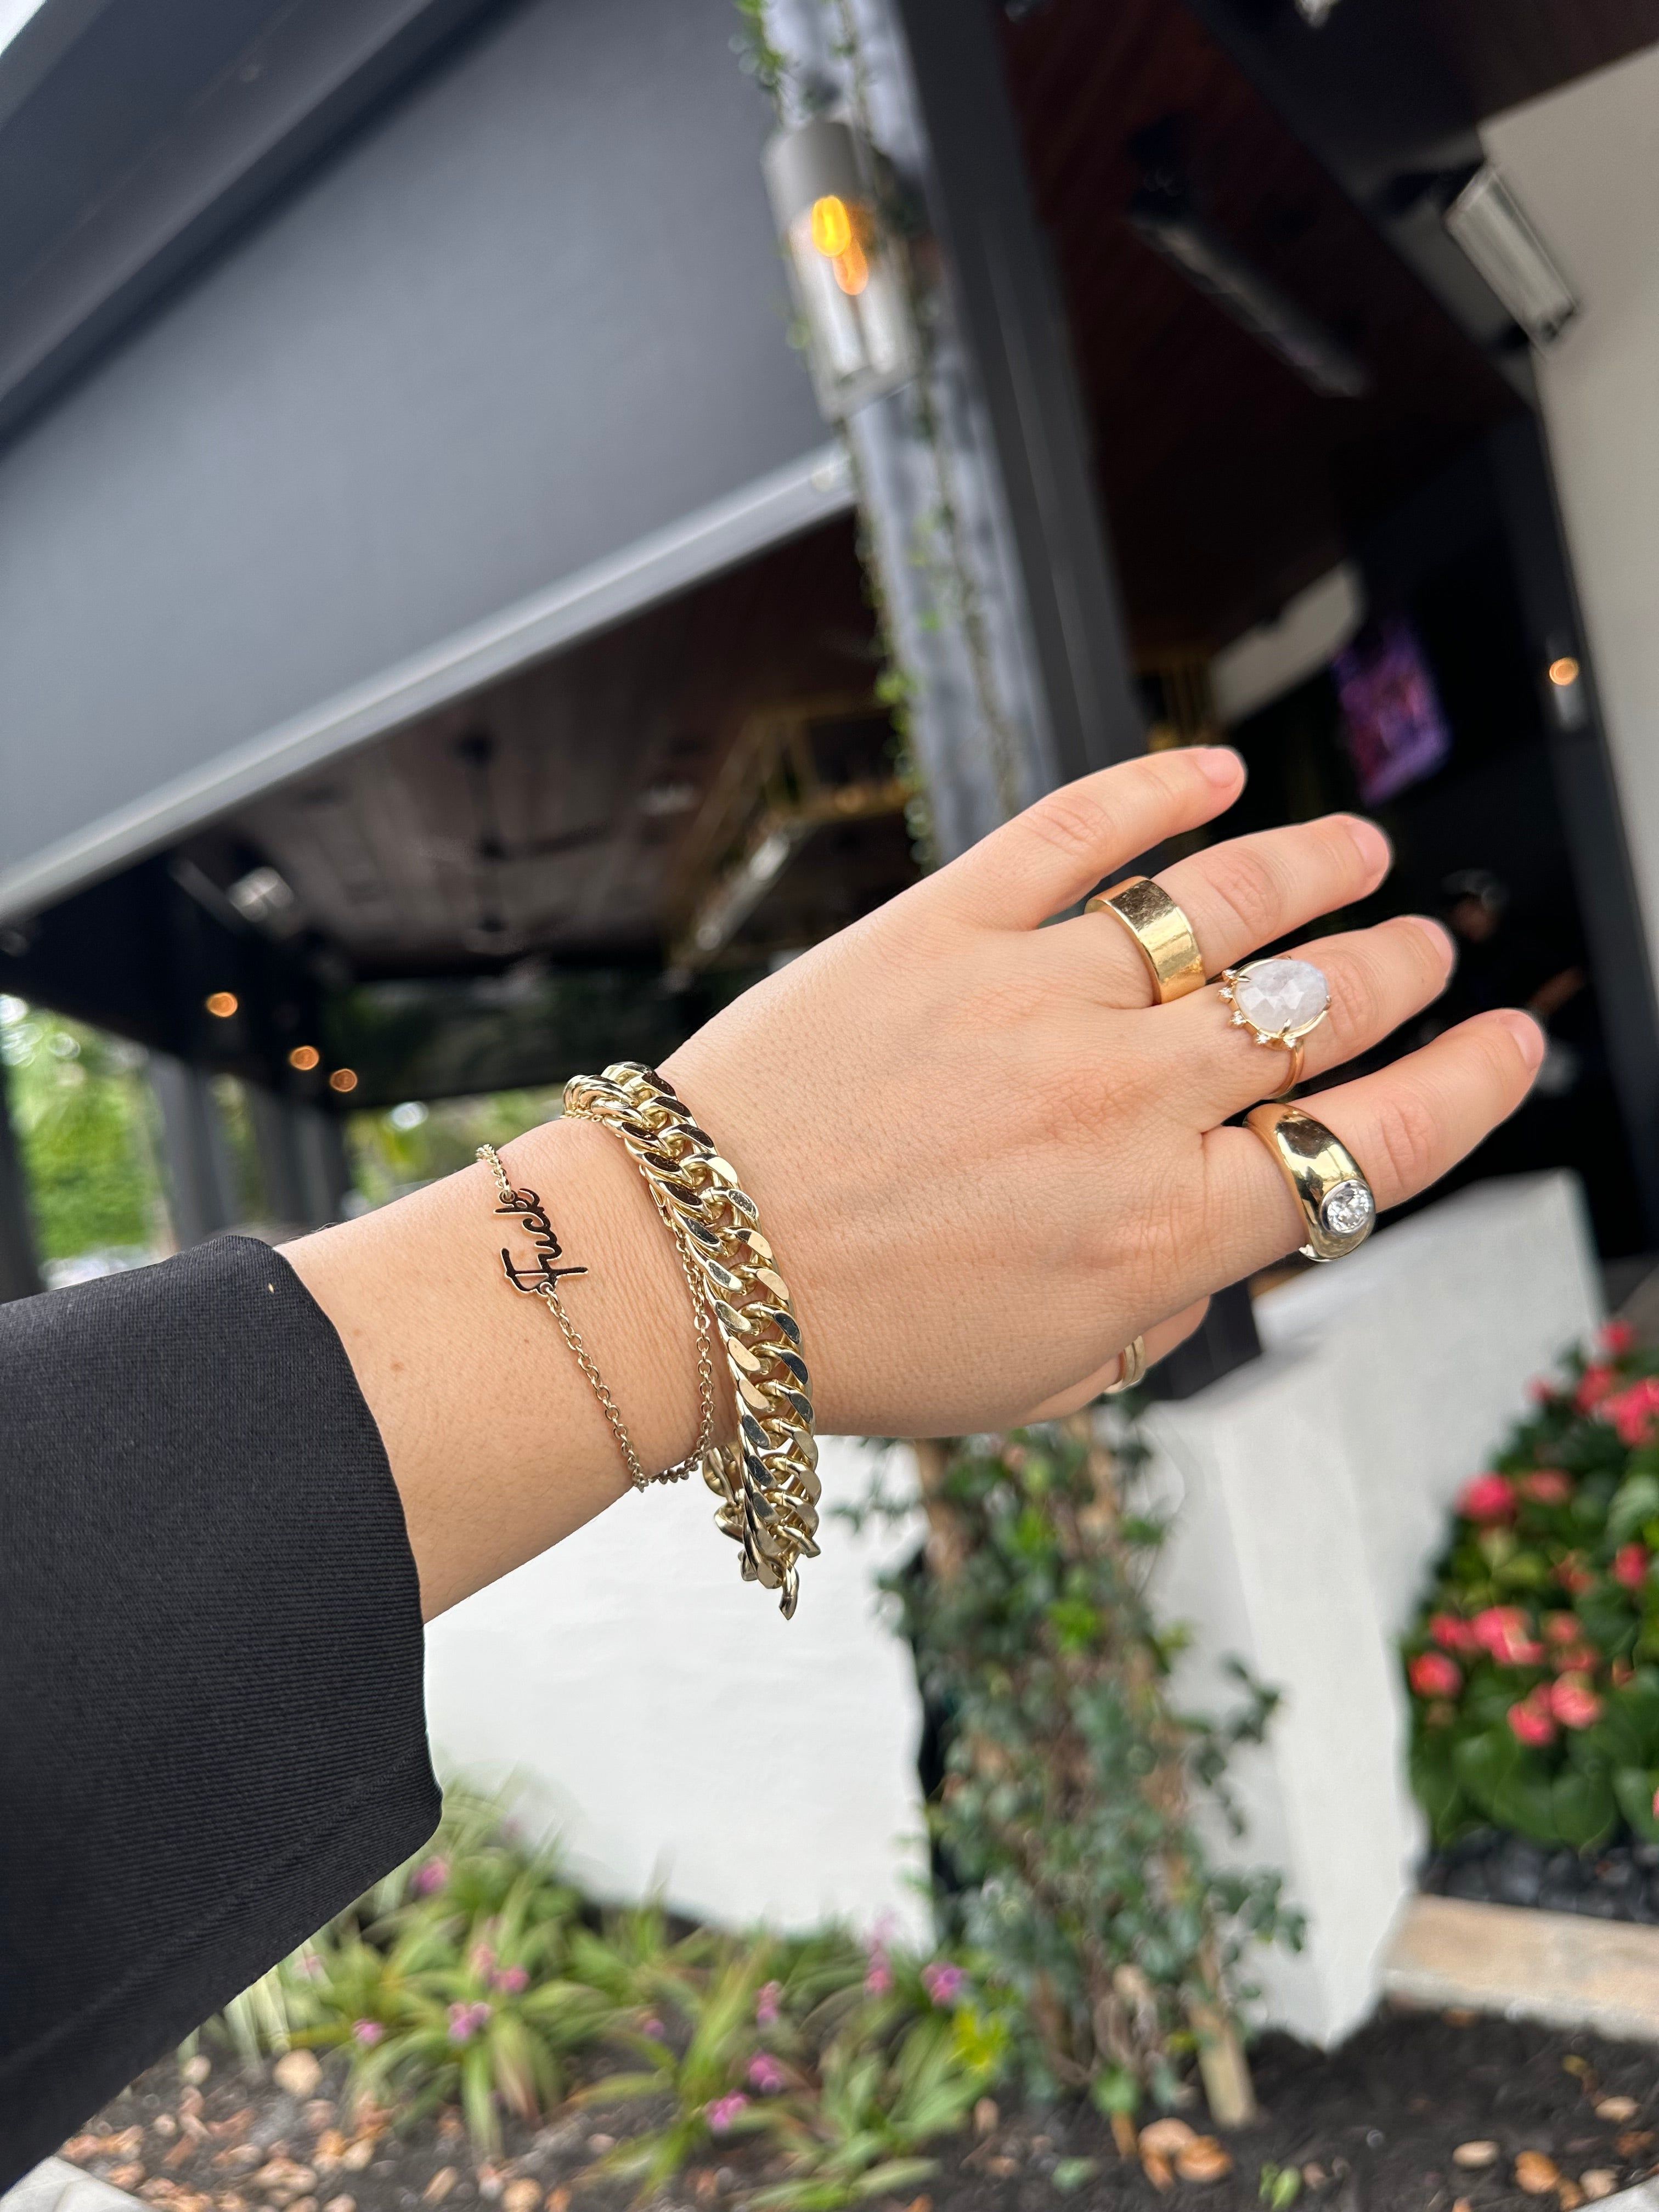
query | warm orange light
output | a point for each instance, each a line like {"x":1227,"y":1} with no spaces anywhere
{"x":852,"y":269}
{"x":222,"y":1004}
{"x":344,"y":1078}
{"x":305,"y":1057}
{"x":1564,"y":670}
{"x":832,"y":226}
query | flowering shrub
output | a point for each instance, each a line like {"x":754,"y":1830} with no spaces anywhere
{"x":1534,"y":1664}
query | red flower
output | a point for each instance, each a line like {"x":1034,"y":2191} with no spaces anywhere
{"x":1634,"y":1413}
{"x":1574,"y":1577}
{"x":1561,"y":1628}
{"x":1432,"y":1674}
{"x":1630,"y":1565}
{"x":1623,"y":1673}
{"x":1573,"y":1659}
{"x":1486,"y":1497}
{"x":1542,"y":1391}
{"x":1573,"y":1702}
{"x":1549,"y":1487}
{"x":1617,"y":1337}
{"x":1532,"y":1720}
{"x":1593,"y":1385}
{"x":1453,"y":1633}
{"x":1501,"y":1630}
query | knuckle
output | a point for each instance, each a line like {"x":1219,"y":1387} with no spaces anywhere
{"x":1245,"y":884}
{"x":1405,"y":1139}
{"x":1357,"y":1014}
{"x":1076,"y":824}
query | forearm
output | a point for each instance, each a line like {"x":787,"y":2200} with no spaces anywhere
{"x":497,"y":1443}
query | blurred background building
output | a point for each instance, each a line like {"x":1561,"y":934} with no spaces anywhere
{"x":492,"y":556}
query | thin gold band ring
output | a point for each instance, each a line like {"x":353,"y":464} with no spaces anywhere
{"x":1132,"y":1365}
{"x":1163,"y":935}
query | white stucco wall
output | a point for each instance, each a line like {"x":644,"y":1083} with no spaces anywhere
{"x":1584,"y":163}
{"x":677,"y":1734}
{"x":1313,"y":1491}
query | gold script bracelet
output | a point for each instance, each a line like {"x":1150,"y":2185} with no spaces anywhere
{"x":542,"y":1280}
{"x":767,"y":1482}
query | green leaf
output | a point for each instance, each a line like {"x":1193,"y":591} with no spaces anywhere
{"x":1636,"y":1500}
{"x":1633,"y":1788}
{"x":1583,"y":1809}
{"x":1071,"y":2173}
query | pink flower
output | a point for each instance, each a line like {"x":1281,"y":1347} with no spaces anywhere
{"x":1548,"y":1487}
{"x":513,"y":1980}
{"x":1431,"y":1674}
{"x":768,"y":2004}
{"x":368,"y":2033}
{"x":652,"y":2026}
{"x":765,"y":2074}
{"x":1486,"y":1497}
{"x":1634,"y":1413}
{"x":1453,"y":1633}
{"x":1630,"y":1565}
{"x":1561,"y":1628}
{"x":880,"y":1977}
{"x":1573,"y":1702}
{"x":1532,"y":1721}
{"x":1573,"y":1659}
{"x":1542,"y":1391}
{"x":942,"y":1981}
{"x":1617,"y":1337}
{"x":431,"y":1877}
{"x":720,"y":2114}
{"x":466,"y":2021}
{"x":482,"y":1960}
{"x":1501,"y":1630}
{"x":1656,"y":1804}
{"x":1593,"y":1386}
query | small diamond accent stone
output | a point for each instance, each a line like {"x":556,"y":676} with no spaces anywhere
{"x":1347,"y":1208}
{"x":1276,"y":995}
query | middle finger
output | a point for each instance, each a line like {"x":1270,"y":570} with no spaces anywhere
{"x":1378,"y":978}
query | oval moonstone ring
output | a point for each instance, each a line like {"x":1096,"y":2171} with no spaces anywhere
{"x":1278,"y":1001}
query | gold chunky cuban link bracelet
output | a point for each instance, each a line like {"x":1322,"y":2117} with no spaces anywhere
{"x":767,"y":1482}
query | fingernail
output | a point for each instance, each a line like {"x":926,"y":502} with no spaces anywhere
{"x":1220,"y":763}
{"x":1439,"y":936}
{"x":1525,"y":1032}
{"x":1373,"y":847}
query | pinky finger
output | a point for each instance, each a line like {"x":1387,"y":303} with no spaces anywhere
{"x":1161,"y":1339}
{"x":1406,"y":1126}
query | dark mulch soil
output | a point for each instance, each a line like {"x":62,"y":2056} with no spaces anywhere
{"x":1369,"y":2128}
{"x":1619,"y":1883}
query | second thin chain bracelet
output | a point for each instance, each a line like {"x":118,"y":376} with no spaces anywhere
{"x":542,"y":1281}
{"x":767,"y":1482}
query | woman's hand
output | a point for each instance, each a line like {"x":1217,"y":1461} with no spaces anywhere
{"x":986,"y":1162}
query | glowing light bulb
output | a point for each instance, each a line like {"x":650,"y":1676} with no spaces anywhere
{"x":305,"y":1057}
{"x":344,"y":1078}
{"x":222,"y":1004}
{"x":832,"y":226}
{"x":1564,"y":670}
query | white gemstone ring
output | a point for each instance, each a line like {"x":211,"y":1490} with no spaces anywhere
{"x":1278,"y":1001}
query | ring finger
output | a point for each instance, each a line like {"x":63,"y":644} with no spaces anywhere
{"x":1377,"y":978}
{"x":1237,"y":895}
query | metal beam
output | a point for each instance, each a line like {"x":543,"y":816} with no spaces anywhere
{"x":201,"y":1194}
{"x":976,"y":484}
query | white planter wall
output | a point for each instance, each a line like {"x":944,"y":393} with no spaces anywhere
{"x":1313,"y":1489}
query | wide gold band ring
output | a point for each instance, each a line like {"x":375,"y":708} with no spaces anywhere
{"x":1160,"y":929}
{"x":1132,"y":1365}
{"x":1324,"y":1177}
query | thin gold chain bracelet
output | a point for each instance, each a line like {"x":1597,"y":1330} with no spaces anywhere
{"x":766,"y":1481}
{"x":544,"y":1280}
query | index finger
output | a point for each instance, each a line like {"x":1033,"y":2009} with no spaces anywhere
{"x":1053,"y":853}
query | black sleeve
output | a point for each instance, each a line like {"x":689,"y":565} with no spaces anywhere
{"x":212,"y":1731}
